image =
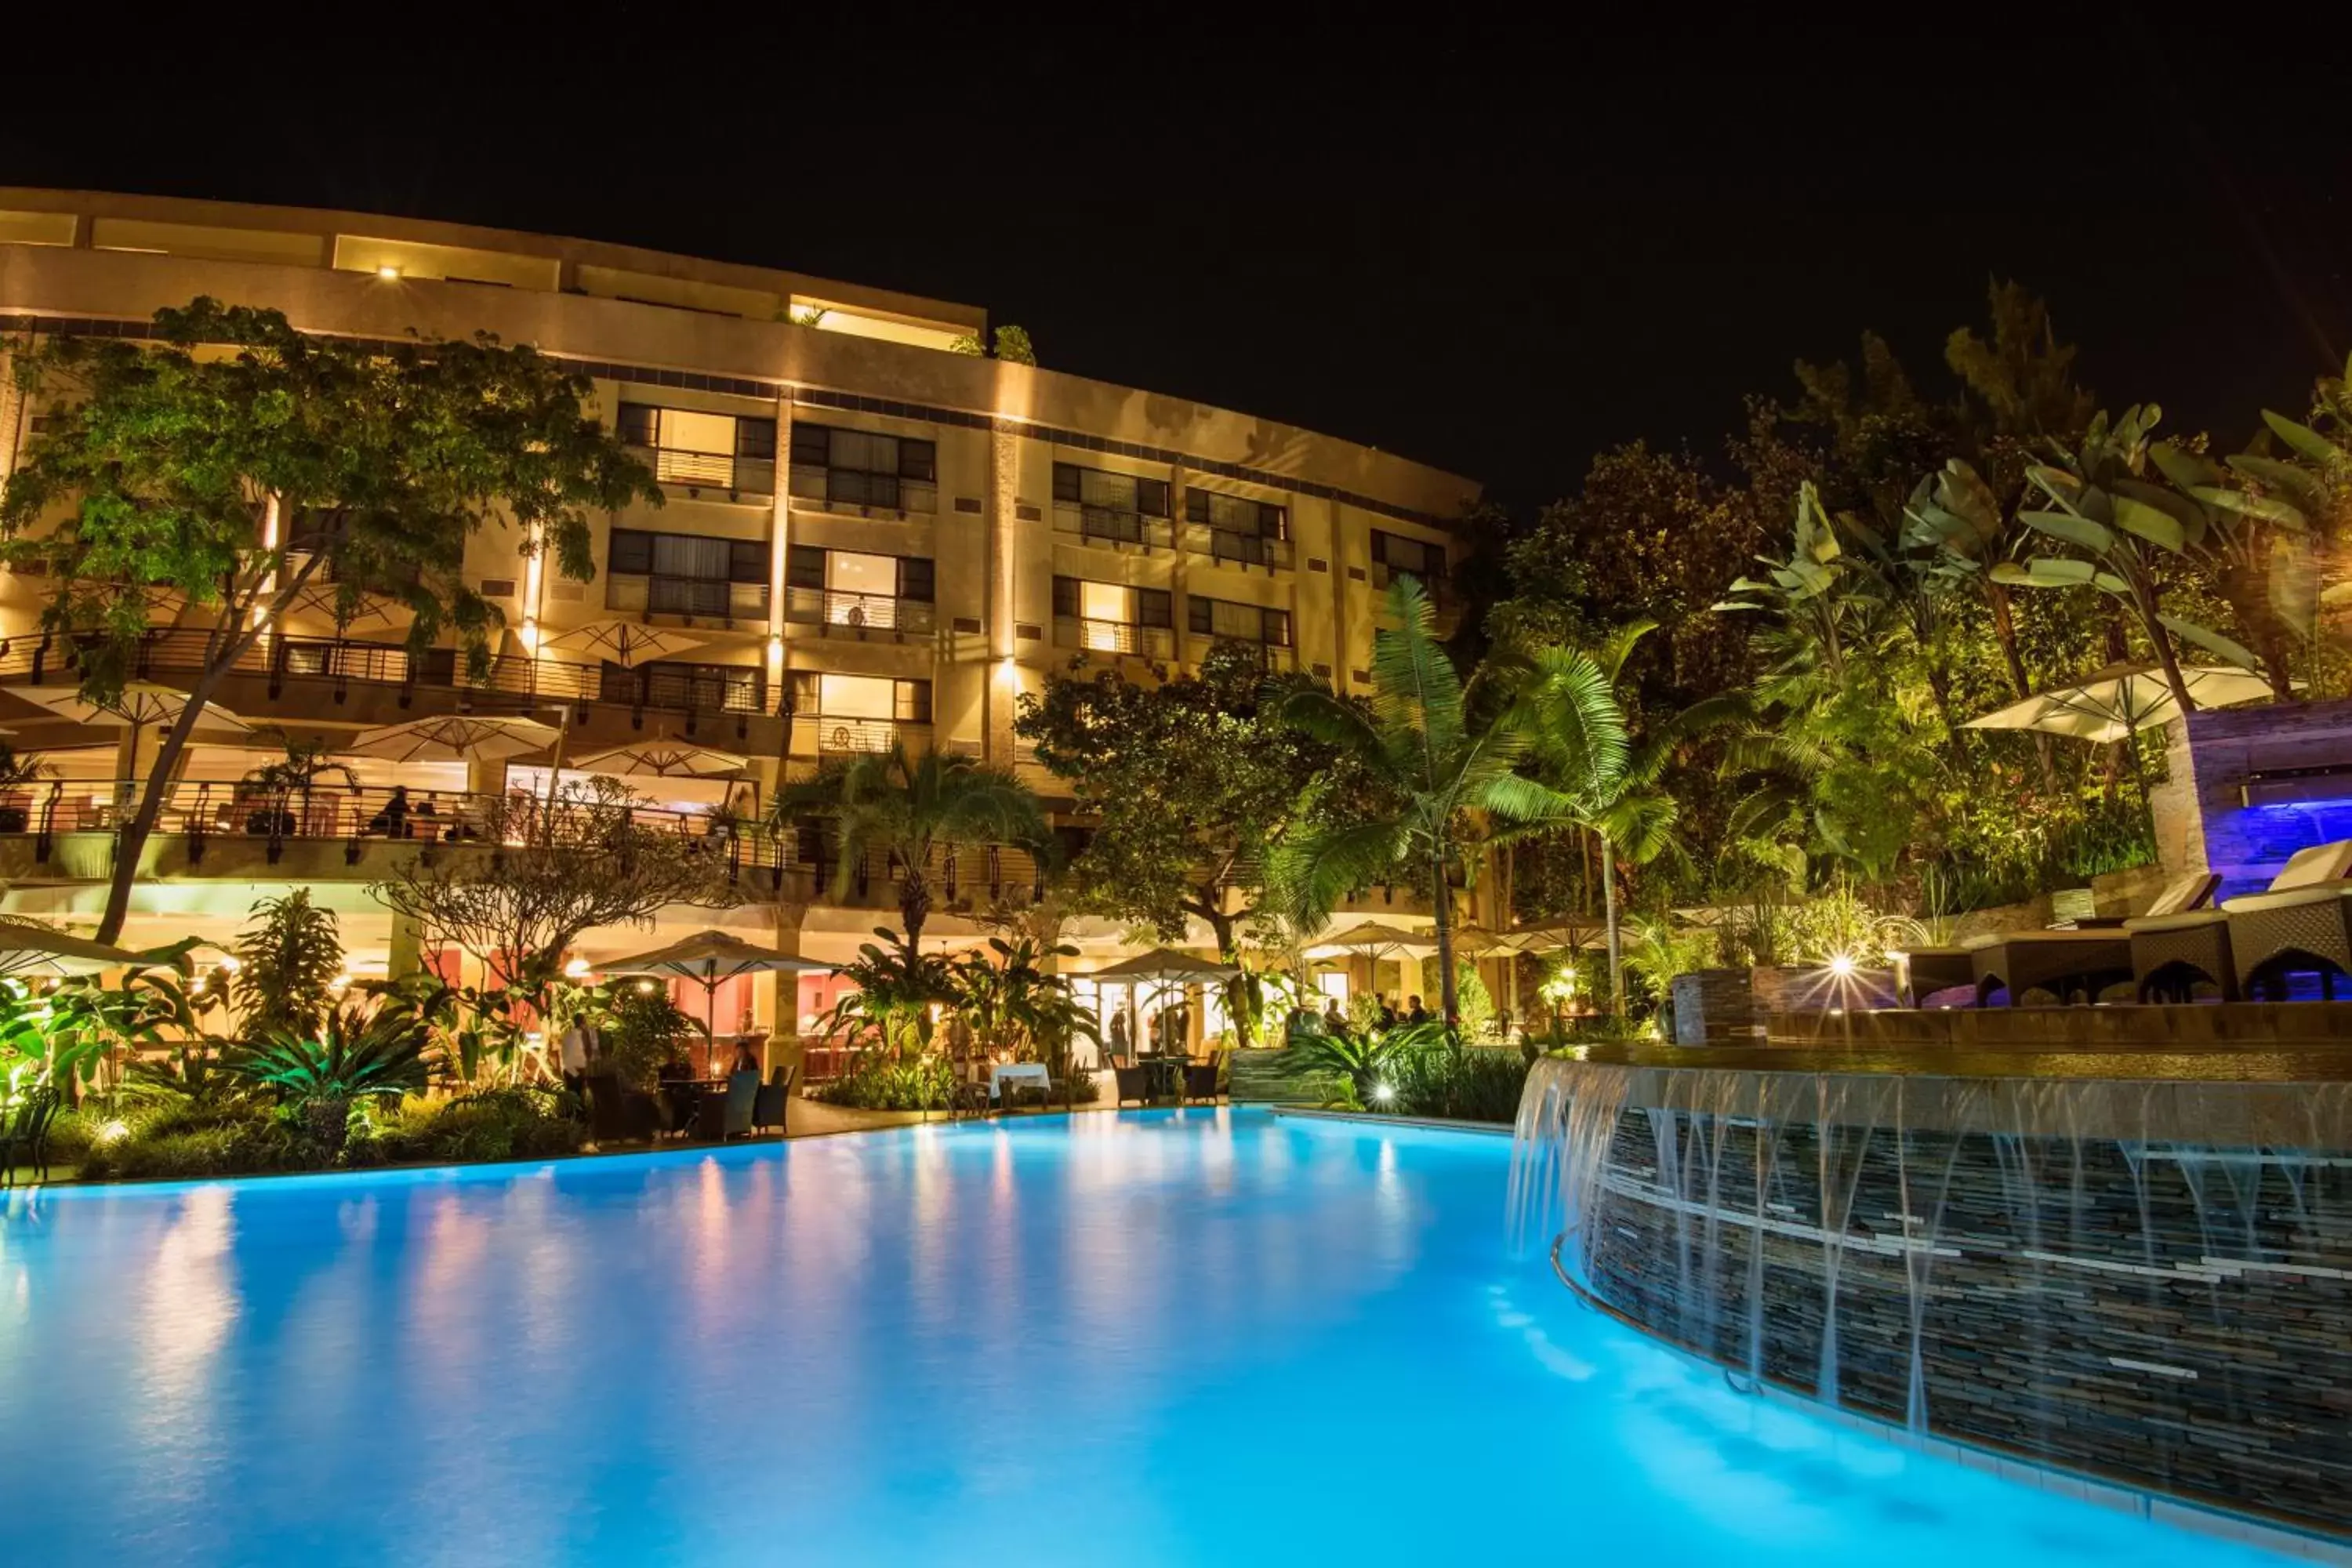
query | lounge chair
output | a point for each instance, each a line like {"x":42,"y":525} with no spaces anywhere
{"x":2306,"y":915}
{"x":771,"y":1105}
{"x":26,"y":1137}
{"x":2082,"y":962}
{"x":2176,"y":944}
{"x":1134,"y":1083}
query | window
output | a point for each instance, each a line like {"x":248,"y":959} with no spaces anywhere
{"x":849,"y":588}
{"x":1398,"y":554}
{"x":860,"y":468}
{"x":698,"y":687}
{"x":1237,"y":529}
{"x":687,"y":574}
{"x":692,"y":448}
{"x":1109,"y":507}
{"x":1076,"y":596}
{"x":876,"y":698}
{"x":1223,"y":619}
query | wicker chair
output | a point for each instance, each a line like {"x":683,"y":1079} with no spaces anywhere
{"x":771,"y":1106}
{"x":1134,"y":1083}
{"x":2179,"y":941}
{"x":2306,"y":914}
{"x":2082,"y":962}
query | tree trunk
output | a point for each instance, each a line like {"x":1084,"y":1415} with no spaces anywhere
{"x":1442,"y":904}
{"x":1616,"y":944}
{"x":2161,"y":640}
{"x":2004,"y":632}
{"x":914,"y":902}
{"x":141,"y":825}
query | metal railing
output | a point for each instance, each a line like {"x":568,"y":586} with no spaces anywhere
{"x":1224,"y":545}
{"x":696,"y":598}
{"x":876,"y":617}
{"x":1101,"y":525}
{"x":512,"y":680}
{"x":711,"y":470}
{"x":820,"y":735}
{"x":855,"y":491}
{"x":1113,"y":636}
{"x":1273,"y":658}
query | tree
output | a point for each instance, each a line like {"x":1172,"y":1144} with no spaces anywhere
{"x":1190,"y":783}
{"x":553,"y":872}
{"x":287,"y":966}
{"x":236,"y":460}
{"x":1444,"y":753}
{"x":911,"y":808}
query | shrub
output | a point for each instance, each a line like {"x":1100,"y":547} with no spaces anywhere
{"x":877,"y":1081}
{"x":496,"y":1124}
{"x":233,"y":1141}
{"x":1467,"y":1084}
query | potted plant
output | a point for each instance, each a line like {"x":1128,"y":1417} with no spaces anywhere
{"x":272,"y":787}
{"x":16,"y":771}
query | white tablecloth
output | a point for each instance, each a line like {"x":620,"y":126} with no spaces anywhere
{"x":1003,"y":1073}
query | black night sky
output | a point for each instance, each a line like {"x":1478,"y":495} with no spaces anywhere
{"x":1496,"y":250}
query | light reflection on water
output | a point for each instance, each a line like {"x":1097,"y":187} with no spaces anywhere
{"x":1194,"y":1337}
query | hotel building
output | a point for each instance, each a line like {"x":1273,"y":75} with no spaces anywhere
{"x":867,"y":536}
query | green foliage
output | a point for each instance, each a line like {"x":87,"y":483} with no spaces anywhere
{"x":639,"y":1029}
{"x":1010,"y":1003}
{"x":514,"y":1123}
{"x":1013,"y":346}
{"x":158,"y":464}
{"x":1462,"y":1083}
{"x":234,"y":1140}
{"x":914,"y":808}
{"x":878,"y":1081}
{"x":1190,"y":782}
{"x":287,"y":962}
{"x":889,"y":1012}
{"x":355,"y":1057}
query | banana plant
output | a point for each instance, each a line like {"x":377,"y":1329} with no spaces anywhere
{"x":1957,"y":520}
{"x":1822,"y":606}
{"x":2120,"y":528}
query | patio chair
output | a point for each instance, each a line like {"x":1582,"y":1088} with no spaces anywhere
{"x":729,"y":1115}
{"x":2177,"y":942}
{"x":1201,"y":1080}
{"x":27,"y":1136}
{"x":769,"y":1107}
{"x":1134,"y":1083}
{"x":619,"y":1114}
{"x":2305,"y":919}
{"x":2081,"y":961}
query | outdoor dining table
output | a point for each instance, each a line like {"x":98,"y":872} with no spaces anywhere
{"x":1003,"y":1073}
{"x":1167,"y":1074}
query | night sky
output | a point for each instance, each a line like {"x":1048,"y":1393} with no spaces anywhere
{"x":1493,"y":251}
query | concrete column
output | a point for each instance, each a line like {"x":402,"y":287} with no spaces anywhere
{"x":1001,"y":686}
{"x":407,"y":952}
{"x":777,"y":1003}
{"x":1179,"y":579}
{"x":780,"y":523}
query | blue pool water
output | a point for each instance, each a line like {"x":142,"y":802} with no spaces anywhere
{"x":1195,"y":1337}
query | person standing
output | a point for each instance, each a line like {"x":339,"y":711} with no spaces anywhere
{"x":574,"y":1054}
{"x":1119,"y":1040}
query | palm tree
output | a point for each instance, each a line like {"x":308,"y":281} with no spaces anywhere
{"x":1441,"y":753}
{"x":910,"y":807}
{"x":1580,"y":746}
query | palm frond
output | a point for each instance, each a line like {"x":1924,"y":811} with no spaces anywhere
{"x":1312,"y":873}
{"x":1417,"y":693}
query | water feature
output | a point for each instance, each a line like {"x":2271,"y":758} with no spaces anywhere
{"x":2142,"y":1279}
{"x":1159,"y":1338}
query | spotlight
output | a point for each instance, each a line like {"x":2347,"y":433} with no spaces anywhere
{"x":1841,"y":964}
{"x":576,"y":968}
{"x":388,"y":272}
{"x":1384,"y":1093}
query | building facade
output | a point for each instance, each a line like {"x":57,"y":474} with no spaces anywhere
{"x":867,"y":537}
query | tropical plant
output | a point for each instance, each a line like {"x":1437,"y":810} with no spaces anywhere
{"x":236,"y":461}
{"x":1442,"y":751}
{"x":288,"y":962}
{"x":1012,"y":1005}
{"x":355,"y":1056}
{"x":1457,"y":1082}
{"x":897,"y":987}
{"x":639,"y":1027}
{"x":876,"y":1080}
{"x":912,"y":808}
{"x":1011,"y":345}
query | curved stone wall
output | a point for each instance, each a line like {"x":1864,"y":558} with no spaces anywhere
{"x":2144,"y":1281}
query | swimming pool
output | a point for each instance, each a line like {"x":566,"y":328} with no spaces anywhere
{"x":1172,"y":1337}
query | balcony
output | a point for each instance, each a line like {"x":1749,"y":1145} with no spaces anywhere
{"x":700,"y":471}
{"x":862,"y":618}
{"x":1226,"y":547}
{"x":1114,"y":638}
{"x":698,"y":599}
{"x":862,"y":494}
{"x":1112,"y":530}
{"x":1274,"y":659}
{"x":825,"y":735}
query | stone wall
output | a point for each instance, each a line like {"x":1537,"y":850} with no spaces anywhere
{"x":2203,"y":822}
{"x":2173,"y":1318}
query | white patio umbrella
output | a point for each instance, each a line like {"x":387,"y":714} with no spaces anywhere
{"x":708,"y":957}
{"x":27,"y":948}
{"x":454,"y":737}
{"x":623,"y":642}
{"x":139,"y":704}
{"x":2121,"y":699}
{"x":1376,"y":940}
{"x":371,"y":612}
{"x":1163,"y":968}
{"x":660,"y":759}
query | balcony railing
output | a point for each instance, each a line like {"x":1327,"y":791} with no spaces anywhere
{"x":513,"y":681}
{"x":823,"y":735}
{"x":1273,"y":658}
{"x":1113,"y":636}
{"x":1101,"y":525}
{"x":711,"y":470}
{"x":696,"y":598}
{"x":867,"y":495}
{"x":201,"y":812}
{"x":875,"y":618}
{"x":1224,"y":545}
